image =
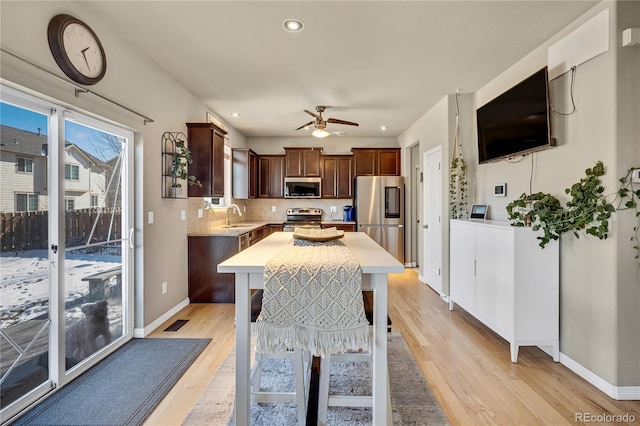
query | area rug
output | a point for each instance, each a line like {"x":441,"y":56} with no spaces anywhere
{"x":123,"y":388}
{"x":412,"y":401}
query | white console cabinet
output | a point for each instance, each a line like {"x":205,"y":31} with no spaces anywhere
{"x":501,"y":276}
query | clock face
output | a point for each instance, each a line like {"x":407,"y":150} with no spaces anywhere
{"x":83,"y":50}
{"x":76,"y":49}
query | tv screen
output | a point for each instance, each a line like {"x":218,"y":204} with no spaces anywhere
{"x":517,"y":121}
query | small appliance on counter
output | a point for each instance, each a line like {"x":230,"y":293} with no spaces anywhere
{"x":347,"y":214}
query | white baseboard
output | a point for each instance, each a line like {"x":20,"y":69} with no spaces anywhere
{"x":626,"y":393}
{"x":140,"y":333}
{"x":421,"y":279}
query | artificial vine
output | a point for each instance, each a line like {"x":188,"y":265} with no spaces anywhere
{"x":588,"y":209}
{"x":458,"y":177}
{"x":180,"y":160}
{"x":629,"y":199}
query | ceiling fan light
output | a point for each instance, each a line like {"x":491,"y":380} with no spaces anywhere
{"x":320,"y":133}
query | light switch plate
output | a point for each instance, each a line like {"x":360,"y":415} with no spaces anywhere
{"x":273,"y":209}
{"x":635,"y":176}
{"x":183,"y":214}
{"x":150,"y":218}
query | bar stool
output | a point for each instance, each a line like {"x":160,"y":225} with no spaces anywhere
{"x":324,"y":399}
{"x":301,"y":365}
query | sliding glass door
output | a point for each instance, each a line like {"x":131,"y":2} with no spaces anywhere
{"x":66,"y":220}
{"x":25,"y":267}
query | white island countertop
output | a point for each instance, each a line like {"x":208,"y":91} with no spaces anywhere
{"x":248,"y":266}
{"x":373,"y":259}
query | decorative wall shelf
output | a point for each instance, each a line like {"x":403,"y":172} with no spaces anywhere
{"x":172,"y":186}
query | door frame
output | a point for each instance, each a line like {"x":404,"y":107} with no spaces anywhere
{"x":56,"y":112}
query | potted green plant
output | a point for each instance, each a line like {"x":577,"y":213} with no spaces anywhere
{"x":180,"y":160}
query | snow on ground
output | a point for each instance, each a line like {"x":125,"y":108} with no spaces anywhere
{"x":24,"y":281}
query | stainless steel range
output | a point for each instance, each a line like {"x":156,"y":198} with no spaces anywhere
{"x":303,"y":217}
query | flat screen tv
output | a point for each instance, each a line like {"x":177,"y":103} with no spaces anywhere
{"x":517,"y":121}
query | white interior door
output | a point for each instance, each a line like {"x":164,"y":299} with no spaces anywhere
{"x":432,"y":220}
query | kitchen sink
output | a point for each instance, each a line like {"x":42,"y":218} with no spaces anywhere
{"x":235,"y":226}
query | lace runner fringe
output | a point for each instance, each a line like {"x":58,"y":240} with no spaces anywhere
{"x":272,"y":338}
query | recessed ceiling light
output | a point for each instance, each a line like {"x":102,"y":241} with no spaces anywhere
{"x":235,"y":114}
{"x":293,"y":25}
{"x":383,"y":128}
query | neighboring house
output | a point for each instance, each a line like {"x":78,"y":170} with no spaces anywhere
{"x":23,"y":173}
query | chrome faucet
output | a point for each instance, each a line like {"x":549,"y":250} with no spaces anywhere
{"x":231,"y":206}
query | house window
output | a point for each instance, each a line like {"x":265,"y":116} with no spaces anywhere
{"x":94,"y":201}
{"x":71,"y":172}
{"x":69,"y":204}
{"x":25,"y":165}
{"x":26,"y":202}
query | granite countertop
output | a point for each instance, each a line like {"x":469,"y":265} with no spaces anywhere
{"x":337,"y":222}
{"x":235,"y":230}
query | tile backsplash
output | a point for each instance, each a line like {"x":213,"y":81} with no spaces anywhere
{"x":258,"y":209}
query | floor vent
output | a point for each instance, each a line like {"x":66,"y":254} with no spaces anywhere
{"x":176,"y":325}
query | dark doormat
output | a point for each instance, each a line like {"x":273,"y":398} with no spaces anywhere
{"x":176,"y":325}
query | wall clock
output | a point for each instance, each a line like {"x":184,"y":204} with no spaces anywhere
{"x":76,"y":49}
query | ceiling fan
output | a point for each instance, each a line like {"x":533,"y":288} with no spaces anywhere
{"x":320,"y":123}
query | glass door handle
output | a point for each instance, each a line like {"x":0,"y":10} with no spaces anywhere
{"x":131,"y":238}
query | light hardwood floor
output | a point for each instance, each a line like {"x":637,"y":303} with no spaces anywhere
{"x":466,"y":364}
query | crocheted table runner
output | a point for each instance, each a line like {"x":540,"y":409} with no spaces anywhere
{"x":312,"y":300}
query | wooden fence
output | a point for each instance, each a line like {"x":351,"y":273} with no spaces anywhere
{"x":30,"y":230}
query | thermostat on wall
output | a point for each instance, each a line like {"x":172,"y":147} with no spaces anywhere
{"x":500,"y":190}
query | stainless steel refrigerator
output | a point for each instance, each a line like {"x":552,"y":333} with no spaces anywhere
{"x":379,"y":205}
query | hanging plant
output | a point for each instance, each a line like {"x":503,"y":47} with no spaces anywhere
{"x":588,"y":209}
{"x":458,"y":176}
{"x":180,"y":161}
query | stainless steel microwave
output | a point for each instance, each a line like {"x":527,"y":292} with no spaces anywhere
{"x":302,"y":187}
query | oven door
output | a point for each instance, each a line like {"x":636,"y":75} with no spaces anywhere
{"x":290,"y":227}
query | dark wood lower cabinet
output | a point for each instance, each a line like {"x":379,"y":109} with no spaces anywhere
{"x":206,"y":285}
{"x":346,"y":227}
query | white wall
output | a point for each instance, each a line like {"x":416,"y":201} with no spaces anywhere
{"x":136,"y":82}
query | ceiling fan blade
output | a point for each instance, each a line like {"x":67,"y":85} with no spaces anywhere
{"x":336,"y":121}
{"x":313,"y":114}
{"x":305,"y":125}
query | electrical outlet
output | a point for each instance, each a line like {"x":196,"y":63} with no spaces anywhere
{"x":635,"y":176}
{"x":334,"y":209}
{"x":164,"y":287}
{"x":200,"y":213}
{"x":150,"y":218}
{"x":273,"y":209}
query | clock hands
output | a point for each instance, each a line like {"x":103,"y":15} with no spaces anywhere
{"x":84,"y":55}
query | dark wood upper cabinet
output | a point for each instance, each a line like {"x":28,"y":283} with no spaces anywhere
{"x":337,"y":176}
{"x":303,"y":162}
{"x":244,"y":173}
{"x":376,"y":161}
{"x":389,"y":162}
{"x":206,"y":143}
{"x":271,"y":176}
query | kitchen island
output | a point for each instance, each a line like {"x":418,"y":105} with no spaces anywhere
{"x":248,"y":266}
